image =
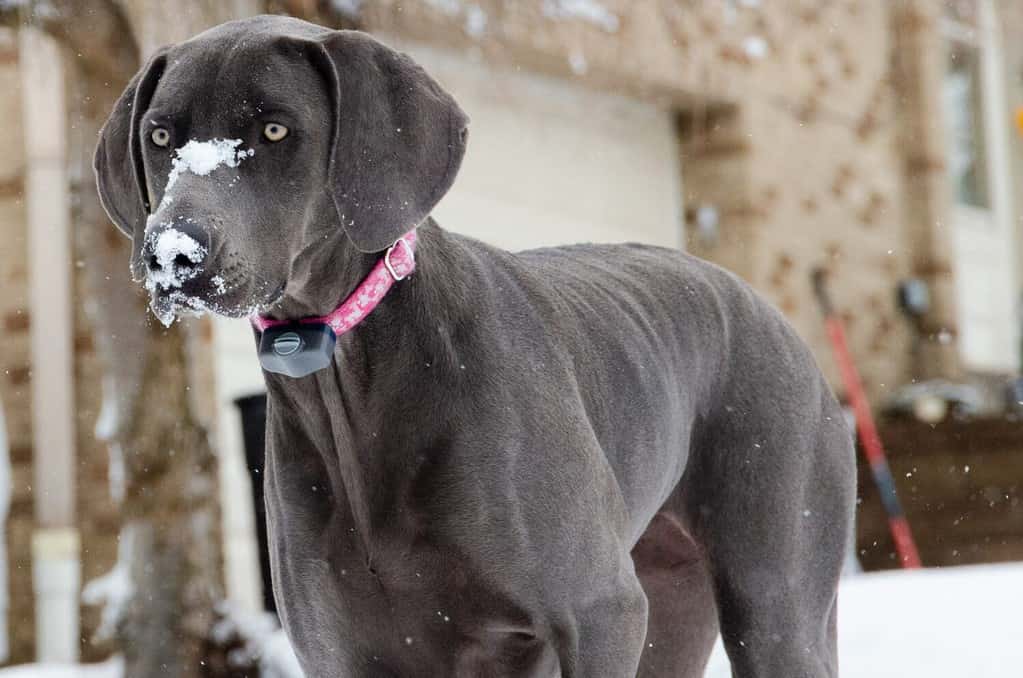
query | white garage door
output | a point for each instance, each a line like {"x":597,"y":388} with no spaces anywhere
{"x":548,"y":162}
{"x":551,"y":163}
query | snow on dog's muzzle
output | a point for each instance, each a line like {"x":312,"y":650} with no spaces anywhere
{"x":174,"y":257}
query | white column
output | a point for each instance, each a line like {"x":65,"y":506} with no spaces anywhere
{"x":55,"y":542}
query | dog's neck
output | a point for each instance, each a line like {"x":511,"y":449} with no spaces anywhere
{"x":322,"y":276}
{"x":419,"y":333}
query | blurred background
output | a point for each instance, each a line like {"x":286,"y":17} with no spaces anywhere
{"x":879,"y":140}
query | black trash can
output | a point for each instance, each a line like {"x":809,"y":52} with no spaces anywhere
{"x":253,"y":412}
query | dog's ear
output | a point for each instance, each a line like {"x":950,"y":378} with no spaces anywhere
{"x":120,"y":175}
{"x":397,"y":142}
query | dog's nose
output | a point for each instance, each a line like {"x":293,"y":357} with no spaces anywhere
{"x":175,"y":252}
{"x":180,"y":260}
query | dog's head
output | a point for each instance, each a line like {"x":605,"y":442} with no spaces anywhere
{"x":243,"y":161}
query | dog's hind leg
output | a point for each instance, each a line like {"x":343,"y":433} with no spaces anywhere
{"x":773,"y":503}
{"x":682,"y":619}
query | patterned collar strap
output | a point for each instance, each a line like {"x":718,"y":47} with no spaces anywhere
{"x":397,"y":264}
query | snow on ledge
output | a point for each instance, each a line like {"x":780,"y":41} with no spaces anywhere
{"x":347,"y":8}
{"x":112,"y":668}
{"x":590,"y":11}
{"x":262,"y":642}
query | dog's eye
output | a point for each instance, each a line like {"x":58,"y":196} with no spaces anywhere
{"x":275,"y":131}
{"x":160,"y":137}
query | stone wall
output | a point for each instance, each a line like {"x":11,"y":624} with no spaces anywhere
{"x":15,"y":370}
{"x":811,"y":136}
{"x":98,"y":518}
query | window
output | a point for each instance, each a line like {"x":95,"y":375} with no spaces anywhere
{"x":962,"y":93}
{"x":964,"y":120}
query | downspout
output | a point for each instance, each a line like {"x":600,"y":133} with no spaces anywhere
{"x":55,"y":548}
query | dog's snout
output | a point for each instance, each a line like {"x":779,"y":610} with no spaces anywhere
{"x":175,"y":252}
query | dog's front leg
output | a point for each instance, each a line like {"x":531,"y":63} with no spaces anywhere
{"x":604,"y":635}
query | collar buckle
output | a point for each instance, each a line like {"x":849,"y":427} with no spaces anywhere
{"x":409,"y":253}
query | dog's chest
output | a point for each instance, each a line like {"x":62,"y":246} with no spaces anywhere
{"x":409,"y":611}
{"x":405,"y":597}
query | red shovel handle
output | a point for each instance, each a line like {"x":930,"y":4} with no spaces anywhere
{"x":869,"y":439}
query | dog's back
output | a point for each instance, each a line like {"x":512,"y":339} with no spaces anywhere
{"x":663,"y":351}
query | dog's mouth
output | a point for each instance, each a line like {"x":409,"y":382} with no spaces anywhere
{"x":216,"y":294}
{"x":187,"y":274}
{"x":167,"y":305}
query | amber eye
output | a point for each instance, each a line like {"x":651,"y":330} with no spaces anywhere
{"x":275,"y":131}
{"x":160,"y":137}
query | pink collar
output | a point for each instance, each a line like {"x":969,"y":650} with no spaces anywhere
{"x":397,"y":264}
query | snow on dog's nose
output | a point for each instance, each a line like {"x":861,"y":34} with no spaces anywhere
{"x":203,"y":157}
{"x":174,"y":256}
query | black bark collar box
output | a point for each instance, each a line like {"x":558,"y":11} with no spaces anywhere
{"x":296,"y":349}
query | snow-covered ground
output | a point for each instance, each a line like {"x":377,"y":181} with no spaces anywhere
{"x":948,"y":623}
{"x":940,"y":623}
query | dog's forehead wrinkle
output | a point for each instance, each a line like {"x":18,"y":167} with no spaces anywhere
{"x":232,"y":110}
{"x":201,"y":86}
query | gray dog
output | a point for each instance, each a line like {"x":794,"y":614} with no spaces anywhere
{"x":572,"y":462}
